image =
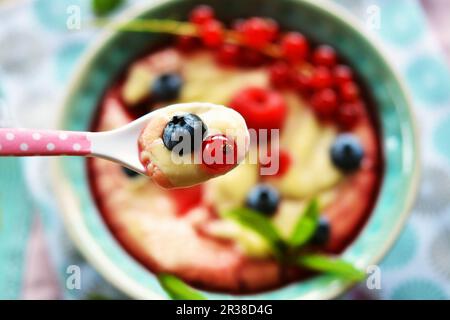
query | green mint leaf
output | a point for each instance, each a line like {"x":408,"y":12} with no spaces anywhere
{"x":335,"y":266}
{"x":261,"y":225}
{"x":306,"y":225}
{"x":97,"y":296}
{"x":104,"y":7}
{"x":177,"y":289}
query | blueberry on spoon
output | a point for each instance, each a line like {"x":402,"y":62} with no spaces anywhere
{"x":185,"y":130}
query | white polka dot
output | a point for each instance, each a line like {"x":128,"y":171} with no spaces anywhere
{"x":63,"y":136}
{"x":76,"y":147}
{"x":36,"y":136}
{"x":23,"y":147}
{"x":10,"y":136}
{"x":50,"y":147}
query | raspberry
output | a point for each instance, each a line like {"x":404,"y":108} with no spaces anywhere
{"x":324,"y":56}
{"x":258,"y":32}
{"x":212,"y":33}
{"x":324,"y":102}
{"x":294,"y":46}
{"x":261,"y":108}
{"x":201,"y":14}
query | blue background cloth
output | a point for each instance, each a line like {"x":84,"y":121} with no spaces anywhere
{"x":15,"y":220}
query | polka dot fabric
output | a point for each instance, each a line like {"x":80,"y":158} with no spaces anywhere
{"x":21,"y":142}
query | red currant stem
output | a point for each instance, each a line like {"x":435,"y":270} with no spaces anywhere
{"x":151,"y":25}
{"x":233,"y":37}
{"x":181,"y":29}
{"x":306,"y":68}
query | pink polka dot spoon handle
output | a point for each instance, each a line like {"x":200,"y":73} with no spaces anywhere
{"x":119,"y":145}
{"x":27,"y":142}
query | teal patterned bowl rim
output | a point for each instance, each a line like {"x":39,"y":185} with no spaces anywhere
{"x":399,"y":140}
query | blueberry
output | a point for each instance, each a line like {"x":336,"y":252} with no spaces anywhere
{"x":166,"y":87}
{"x":322,"y":233}
{"x":347,"y":152}
{"x":188,"y":130}
{"x":130,"y":173}
{"x":263,"y":198}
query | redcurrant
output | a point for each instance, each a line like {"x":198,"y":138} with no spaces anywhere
{"x":349,"y":114}
{"x":258,"y":32}
{"x":294,"y":46}
{"x":324,"y":55}
{"x":251,"y":58}
{"x":349,"y":91}
{"x":324,"y":102}
{"x":186,"y":43}
{"x":342,"y":74}
{"x":201,"y":14}
{"x":228,"y":54}
{"x":280,"y":75}
{"x":303,"y":82}
{"x":219,"y":153}
{"x":212,"y":33}
{"x":321,"y":78}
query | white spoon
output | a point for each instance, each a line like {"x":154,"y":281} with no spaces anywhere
{"x":120,"y":145}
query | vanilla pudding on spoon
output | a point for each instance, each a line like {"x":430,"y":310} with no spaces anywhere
{"x":186,"y":144}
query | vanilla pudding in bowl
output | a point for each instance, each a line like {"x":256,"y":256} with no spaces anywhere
{"x":335,"y":156}
{"x":183,"y":232}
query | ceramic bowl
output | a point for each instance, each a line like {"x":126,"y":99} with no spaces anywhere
{"x":320,"y":20}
